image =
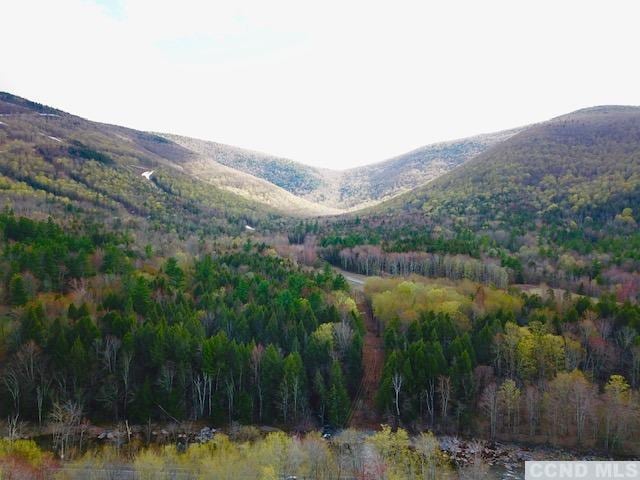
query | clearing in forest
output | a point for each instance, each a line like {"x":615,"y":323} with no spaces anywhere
{"x":364,"y":414}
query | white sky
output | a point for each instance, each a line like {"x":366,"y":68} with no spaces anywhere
{"x":329,"y":83}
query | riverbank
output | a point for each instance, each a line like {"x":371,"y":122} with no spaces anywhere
{"x":124,"y":450}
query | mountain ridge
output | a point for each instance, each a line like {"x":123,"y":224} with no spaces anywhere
{"x":51,"y":161}
{"x":353,"y":188}
{"x":586,"y":144}
{"x":275,"y":183}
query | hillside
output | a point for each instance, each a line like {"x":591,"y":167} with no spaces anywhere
{"x":71,"y":159}
{"x":294,"y":177}
{"x":275,"y":181}
{"x":51,"y":161}
{"x":581,"y":167}
{"x":555,"y":203}
{"x":339,"y":190}
{"x":373,"y":183}
{"x":129,"y":318}
{"x":62,"y":150}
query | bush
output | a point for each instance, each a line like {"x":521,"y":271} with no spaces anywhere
{"x":24,"y":450}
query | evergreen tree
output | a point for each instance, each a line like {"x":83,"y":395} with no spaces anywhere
{"x":338,"y":402}
{"x":33,"y":326}
{"x":18,"y":294}
{"x":174,"y":272}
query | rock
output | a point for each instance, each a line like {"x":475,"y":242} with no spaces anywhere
{"x":205,"y":435}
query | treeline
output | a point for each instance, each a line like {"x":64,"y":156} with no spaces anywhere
{"x":406,"y":239}
{"x":96,"y":327}
{"x":576,"y":257}
{"x":372,"y":260}
{"x":509,"y":365}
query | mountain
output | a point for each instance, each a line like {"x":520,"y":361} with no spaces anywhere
{"x":278,"y":182}
{"x":341,"y":190}
{"x":71,"y":158}
{"x":52,"y":161}
{"x":581,"y":167}
{"x":294,"y":177}
{"x":374,"y":183}
{"x":557,"y":203}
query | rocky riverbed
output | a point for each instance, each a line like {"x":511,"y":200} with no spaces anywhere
{"x":503,"y":461}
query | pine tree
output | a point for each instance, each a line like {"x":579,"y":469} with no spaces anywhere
{"x":175,"y":273}
{"x":339,"y":402}
{"x":79,"y":360}
{"x":320,"y":390}
{"x":144,"y":400}
{"x":17,"y":290}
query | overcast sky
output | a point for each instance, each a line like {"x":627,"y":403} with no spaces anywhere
{"x":329,"y":83}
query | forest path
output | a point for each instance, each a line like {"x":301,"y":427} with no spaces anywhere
{"x":355,"y":280}
{"x":364,"y":414}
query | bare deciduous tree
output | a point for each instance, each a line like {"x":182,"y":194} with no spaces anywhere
{"x":343,"y":334}
{"x":444,"y":389}
{"x":397,"y":386}
{"x":65,"y":419}
{"x":125,"y":360}
{"x":12,"y":382}
{"x":257,"y":353}
{"x":109,"y":353}
{"x":489,"y":403}
{"x":532,"y":403}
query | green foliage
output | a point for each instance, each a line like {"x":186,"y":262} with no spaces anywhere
{"x":554,"y":203}
{"x":77,"y":149}
{"x":93,"y":171}
{"x":230,"y":336}
{"x":494,"y":348}
{"x":18,"y":294}
{"x":338,"y":398}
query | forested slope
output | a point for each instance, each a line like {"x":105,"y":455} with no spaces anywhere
{"x":62,"y":147}
{"x":376,"y":182}
{"x":294,"y":177}
{"x":581,"y":167}
{"x":52,"y":161}
{"x":555,"y":203}
{"x":345,"y":189}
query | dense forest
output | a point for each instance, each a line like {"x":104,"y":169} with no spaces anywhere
{"x":604,"y":263}
{"x":552,"y":367}
{"x":111,"y":331}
